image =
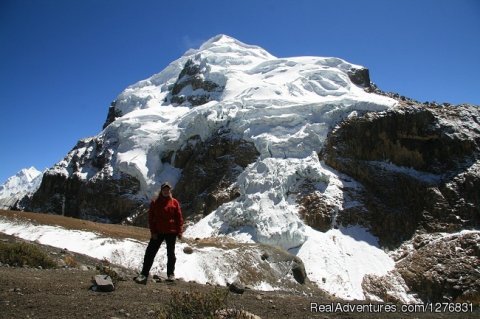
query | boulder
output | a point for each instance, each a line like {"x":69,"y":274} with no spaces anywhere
{"x":236,"y":287}
{"x":298,"y":270}
{"x":103,"y":283}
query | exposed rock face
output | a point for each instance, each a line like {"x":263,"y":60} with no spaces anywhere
{"x":389,"y":288}
{"x":100,"y":200}
{"x":314,"y":209}
{"x":445,"y":268}
{"x":209,"y":168}
{"x":323,"y":214}
{"x":360,"y":77}
{"x":193,"y":87}
{"x":298,"y":270}
{"x":420,"y":167}
{"x":112,"y":115}
{"x":438,"y":194}
{"x":85,"y":188}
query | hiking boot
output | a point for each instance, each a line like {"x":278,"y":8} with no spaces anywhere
{"x":171,"y":278}
{"x":141,"y":279}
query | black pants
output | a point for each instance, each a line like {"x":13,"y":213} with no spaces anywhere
{"x":152,"y":249}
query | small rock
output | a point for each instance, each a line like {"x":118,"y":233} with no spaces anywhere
{"x":265,"y":256}
{"x":188,"y":250}
{"x":103,"y":283}
{"x":259,"y":297}
{"x":236,"y":287}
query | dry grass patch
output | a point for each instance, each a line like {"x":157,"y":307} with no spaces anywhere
{"x":24,"y":254}
{"x":109,"y":230}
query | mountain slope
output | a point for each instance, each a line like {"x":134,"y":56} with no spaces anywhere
{"x":300,"y":153}
{"x":25,"y":182}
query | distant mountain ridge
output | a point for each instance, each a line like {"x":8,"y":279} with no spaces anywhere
{"x":25,"y":182}
{"x":302,"y":153}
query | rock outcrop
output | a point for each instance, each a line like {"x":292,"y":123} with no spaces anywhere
{"x":444,"y":268}
{"x":104,"y":200}
{"x":112,"y":115}
{"x":192,"y":86}
{"x":209,"y":168}
{"x":81,"y":186}
{"x":419,"y":166}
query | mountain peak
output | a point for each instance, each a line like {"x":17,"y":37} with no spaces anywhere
{"x":221,"y":38}
{"x":25,"y":181}
{"x":28,"y":174}
{"x":222,"y":43}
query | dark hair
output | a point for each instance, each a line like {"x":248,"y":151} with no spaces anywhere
{"x":160,"y":195}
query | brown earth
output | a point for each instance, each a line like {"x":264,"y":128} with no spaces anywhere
{"x":65,"y":292}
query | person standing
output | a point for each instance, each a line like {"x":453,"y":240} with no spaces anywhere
{"x":165,"y":221}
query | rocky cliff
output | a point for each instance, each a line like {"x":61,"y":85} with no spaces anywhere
{"x":420,"y":167}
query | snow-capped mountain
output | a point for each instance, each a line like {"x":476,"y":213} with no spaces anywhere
{"x":301,"y":153}
{"x":25,"y":182}
{"x":284,"y":107}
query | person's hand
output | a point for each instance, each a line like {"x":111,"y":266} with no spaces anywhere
{"x":179,"y":236}
{"x":154,"y":236}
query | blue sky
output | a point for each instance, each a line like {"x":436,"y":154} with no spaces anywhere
{"x":63,"y":62}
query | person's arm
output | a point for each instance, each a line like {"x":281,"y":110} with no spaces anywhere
{"x":179,"y":221}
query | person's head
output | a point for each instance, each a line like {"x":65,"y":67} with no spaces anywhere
{"x":165,"y":190}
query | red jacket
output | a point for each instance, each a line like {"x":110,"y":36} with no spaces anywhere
{"x":165,"y":216}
